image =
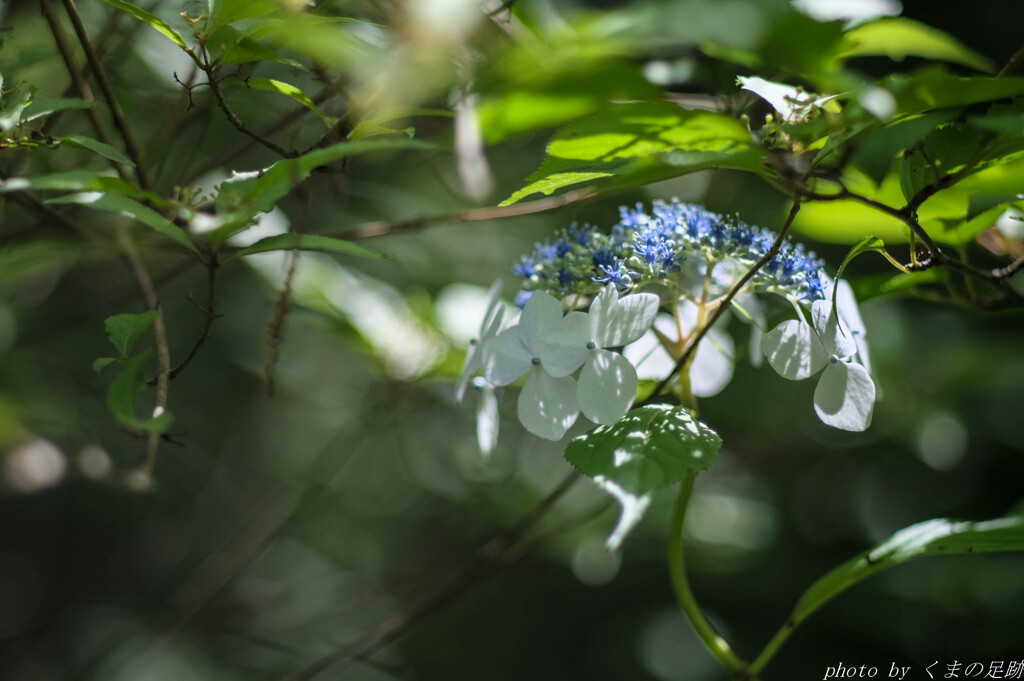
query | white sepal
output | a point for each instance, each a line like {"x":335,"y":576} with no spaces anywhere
{"x":793,"y":350}
{"x":607,"y":387}
{"x":548,"y":406}
{"x":845,"y":397}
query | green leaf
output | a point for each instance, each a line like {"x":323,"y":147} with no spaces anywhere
{"x":866,"y":288}
{"x":929,"y":538}
{"x":124,"y":393}
{"x":71,"y":180}
{"x":125,"y":330}
{"x":915,"y":173}
{"x":40,"y":107}
{"x":249,"y":193}
{"x":650,"y":448}
{"x":979,"y":203}
{"x":865,"y":245}
{"x":629,"y":144}
{"x":231,"y":46}
{"x":154,"y":21}
{"x":899,"y":37}
{"x":225,"y":12}
{"x":269,"y":85}
{"x":310,"y":242}
{"x":116,"y":203}
{"x":880,"y":147}
{"x":934,"y":88}
{"x":102,"y":363}
{"x":97,"y":147}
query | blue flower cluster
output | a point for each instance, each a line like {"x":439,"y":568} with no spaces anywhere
{"x":661,"y":247}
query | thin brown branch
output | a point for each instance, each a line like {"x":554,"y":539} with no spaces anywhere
{"x":163,"y":353}
{"x":1010,"y":270}
{"x":371,"y":229}
{"x":691,"y":347}
{"x":218,"y":94}
{"x":482,"y":568}
{"x":100,"y":74}
{"x":78,"y":81}
{"x":211,"y":316}
{"x":1011,"y":65}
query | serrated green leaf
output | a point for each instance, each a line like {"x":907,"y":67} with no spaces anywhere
{"x":125,"y":330}
{"x":116,"y":203}
{"x":269,"y":85}
{"x":97,"y":147}
{"x":154,"y":21}
{"x":929,"y":538}
{"x":899,"y":37}
{"x":650,"y":448}
{"x":915,"y":173}
{"x":310,"y":242}
{"x":102,"y":363}
{"x":124,"y":393}
{"x":628,"y":144}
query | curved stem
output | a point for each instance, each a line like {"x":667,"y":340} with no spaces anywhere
{"x":715,"y":644}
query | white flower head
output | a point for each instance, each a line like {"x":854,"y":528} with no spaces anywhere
{"x":845,"y":395}
{"x":549,"y":347}
{"x":607,"y":383}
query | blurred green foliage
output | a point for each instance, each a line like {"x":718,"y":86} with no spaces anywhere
{"x":276,"y":528}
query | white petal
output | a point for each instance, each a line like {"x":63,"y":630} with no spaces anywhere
{"x":607,"y":387}
{"x":846,"y":304}
{"x":505,"y":358}
{"x":793,"y":350}
{"x":648,"y":355}
{"x":633,"y":509}
{"x":616,"y":323}
{"x":548,"y":406}
{"x":713,"y":364}
{"x":564,"y":349}
{"x":487,"y":421}
{"x":474,"y":360}
{"x":493,"y":303}
{"x":845,"y":396}
{"x":540,"y":317}
{"x":835,"y":337}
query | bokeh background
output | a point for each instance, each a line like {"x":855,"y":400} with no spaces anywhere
{"x":280,"y":528}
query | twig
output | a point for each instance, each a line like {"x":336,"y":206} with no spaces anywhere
{"x":108,"y":92}
{"x":1016,"y":60}
{"x":84,"y":91}
{"x":371,"y":229}
{"x":1010,"y":270}
{"x":163,"y":353}
{"x":691,"y":347}
{"x":211,"y":316}
{"x":276,"y":323}
{"x":478,"y":571}
{"x":211,"y":80}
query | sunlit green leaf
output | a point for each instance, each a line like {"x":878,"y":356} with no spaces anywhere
{"x":900,"y":37}
{"x":154,"y":21}
{"x":916,"y":173}
{"x":97,"y":147}
{"x":929,"y":538}
{"x":116,"y":203}
{"x":269,"y":85}
{"x":125,"y":330}
{"x":309,"y":242}
{"x":40,"y":107}
{"x":639,"y":143}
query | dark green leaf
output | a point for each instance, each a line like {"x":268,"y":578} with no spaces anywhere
{"x":882,"y":146}
{"x":309,"y":242}
{"x":232,"y":46}
{"x":71,"y":180}
{"x":648,"y":449}
{"x":102,"y":363}
{"x":979,"y":203}
{"x":899,"y":37}
{"x":124,"y":393}
{"x":116,"y":203}
{"x":930,"y":538}
{"x":915,"y":173}
{"x":97,"y":147}
{"x":934,"y":88}
{"x":40,"y":107}
{"x":125,"y":330}
{"x":225,"y":12}
{"x":866,"y":288}
{"x":154,"y":21}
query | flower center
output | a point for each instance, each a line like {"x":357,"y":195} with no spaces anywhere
{"x":472,"y":341}
{"x":591,"y":345}
{"x":535,"y":361}
{"x":833,"y":359}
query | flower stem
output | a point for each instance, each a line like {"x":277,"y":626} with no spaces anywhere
{"x":715,"y":644}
